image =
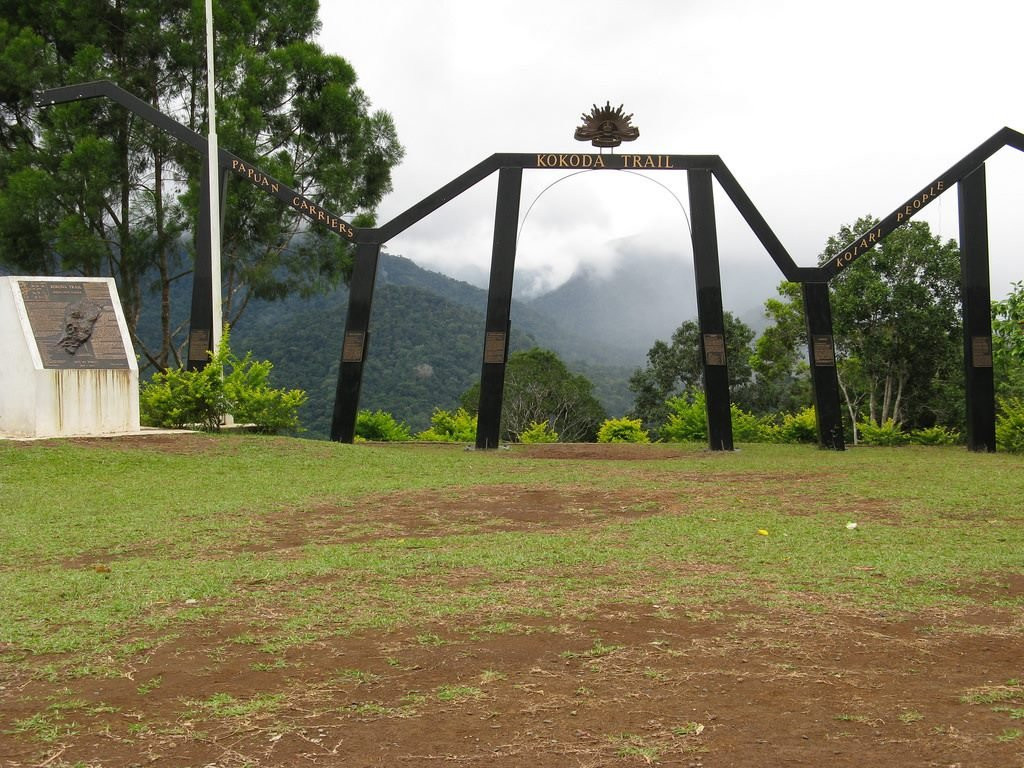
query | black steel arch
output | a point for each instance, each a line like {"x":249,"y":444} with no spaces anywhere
{"x":968,"y":174}
{"x":701,"y":169}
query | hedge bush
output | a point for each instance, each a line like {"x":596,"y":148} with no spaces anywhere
{"x":381,"y":426}
{"x":179,"y":398}
{"x":623,"y":431}
{"x":450,"y":427}
{"x":538,"y":432}
{"x":1010,"y":425}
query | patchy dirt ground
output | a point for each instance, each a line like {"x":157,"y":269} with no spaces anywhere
{"x":627,"y":685}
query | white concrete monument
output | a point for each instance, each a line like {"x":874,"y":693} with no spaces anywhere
{"x":67,"y":366}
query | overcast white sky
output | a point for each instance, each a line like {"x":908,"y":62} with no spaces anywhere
{"x":824,"y":111}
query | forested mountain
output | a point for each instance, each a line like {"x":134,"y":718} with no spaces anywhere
{"x":426,"y":335}
{"x":424,"y":351}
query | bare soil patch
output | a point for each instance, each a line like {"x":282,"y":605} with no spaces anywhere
{"x":629,"y":685}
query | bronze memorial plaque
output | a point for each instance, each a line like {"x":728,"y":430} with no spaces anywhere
{"x":199,"y":344}
{"x":714,"y":349}
{"x":74,"y":323}
{"x":494,"y":347}
{"x":352,"y":349}
{"x":824,"y":352}
{"x":981,"y":351}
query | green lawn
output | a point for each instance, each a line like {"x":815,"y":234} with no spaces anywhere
{"x":106,"y":541}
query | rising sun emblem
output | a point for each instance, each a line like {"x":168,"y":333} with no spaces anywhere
{"x":606,"y":127}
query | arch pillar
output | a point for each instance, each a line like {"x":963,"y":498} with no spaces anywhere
{"x":976,"y":299}
{"x":499,"y":308}
{"x":710,"y":314}
{"x":822,"y":357}
{"x":356,"y":342}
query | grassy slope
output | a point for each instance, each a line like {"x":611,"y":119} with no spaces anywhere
{"x":98,"y":543}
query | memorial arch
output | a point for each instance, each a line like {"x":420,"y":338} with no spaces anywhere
{"x":967,"y":175}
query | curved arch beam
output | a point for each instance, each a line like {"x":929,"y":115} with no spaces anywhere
{"x":226,"y":160}
{"x":1005,"y":137}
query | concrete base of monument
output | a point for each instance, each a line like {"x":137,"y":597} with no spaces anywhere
{"x":142,"y":432}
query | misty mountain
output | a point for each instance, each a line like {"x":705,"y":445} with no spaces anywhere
{"x":424,"y":350}
{"x":426,"y":333}
{"x":646,"y":294}
{"x":549,"y":332}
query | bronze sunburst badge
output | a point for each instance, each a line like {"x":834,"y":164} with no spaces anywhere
{"x":606,"y":127}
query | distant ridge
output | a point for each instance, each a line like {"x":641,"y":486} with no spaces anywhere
{"x":426,"y":333}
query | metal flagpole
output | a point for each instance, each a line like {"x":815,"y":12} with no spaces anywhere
{"x":213,"y":171}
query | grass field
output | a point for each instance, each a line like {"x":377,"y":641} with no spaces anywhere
{"x":238,"y":600}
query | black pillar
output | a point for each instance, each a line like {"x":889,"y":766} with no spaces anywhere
{"x":200,"y":333}
{"x":975,"y":295}
{"x":822,"y":356}
{"x":499,"y":308}
{"x":356,"y":340}
{"x":710,"y":316}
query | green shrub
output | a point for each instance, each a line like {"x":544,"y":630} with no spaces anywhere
{"x":538,"y":432}
{"x":253,"y":401}
{"x":799,"y":427}
{"x":178,"y":398}
{"x":622,"y":431}
{"x":687,"y":421}
{"x":889,"y":433}
{"x":447,"y":427}
{"x":746,"y":427}
{"x":1010,"y":425}
{"x":381,"y":426}
{"x":935,"y":436}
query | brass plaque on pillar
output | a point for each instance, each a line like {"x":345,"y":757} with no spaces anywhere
{"x":981,"y":351}
{"x":74,"y":323}
{"x":198,"y":344}
{"x":494,"y":347}
{"x":714,"y":349}
{"x":824,"y":352}
{"x":354,"y":347}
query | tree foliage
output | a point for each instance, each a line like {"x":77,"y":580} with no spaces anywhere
{"x":540,"y":388}
{"x":897,"y":332}
{"x":781,"y":376}
{"x":896,"y":316}
{"x":1008,"y":343}
{"x":86,"y":188}
{"x":675,"y":369}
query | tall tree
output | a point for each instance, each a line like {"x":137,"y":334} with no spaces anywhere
{"x":781,"y":378}
{"x":896,"y":313}
{"x":896,"y":320}
{"x":674,"y":368}
{"x":540,"y":388}
{"x":86,"y":188}
{"x":1008,"y":342}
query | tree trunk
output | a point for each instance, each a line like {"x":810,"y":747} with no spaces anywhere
{"x":849,"y":405}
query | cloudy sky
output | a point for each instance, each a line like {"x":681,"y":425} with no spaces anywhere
{"x":824,"y":112}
